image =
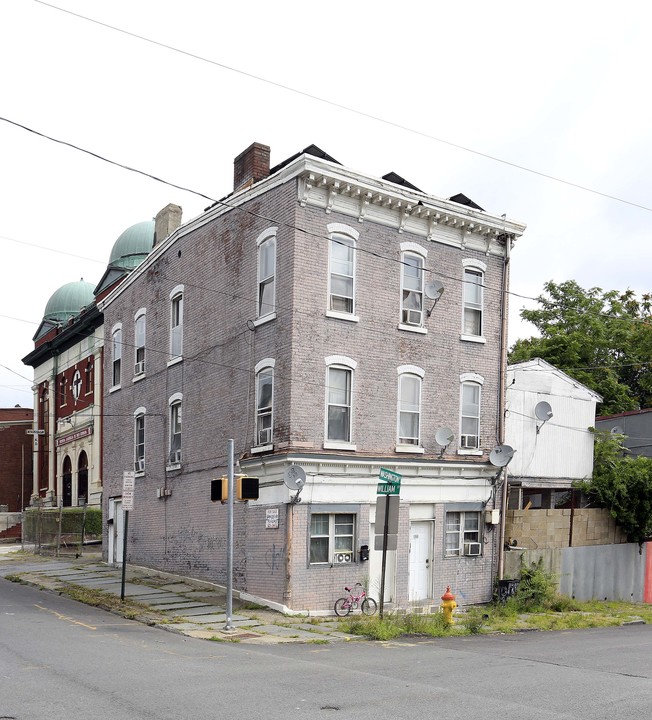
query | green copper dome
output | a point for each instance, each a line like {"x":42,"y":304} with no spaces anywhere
{"x":133,"y":246}
{"x":68,"y":300}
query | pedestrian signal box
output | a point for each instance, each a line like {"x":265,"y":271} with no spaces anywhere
{"x":246,"y":488}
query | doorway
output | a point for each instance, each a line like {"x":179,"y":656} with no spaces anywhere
{"x":116,"y":531}
{"x":421,"y":551}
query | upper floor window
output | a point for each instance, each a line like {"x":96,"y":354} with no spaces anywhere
{"x":139,"y":333}
{"x":339,"y":394}
{"x":341,"y":290}
{"x":409,"y":407}
{"x":116,"y":355}
{"x":264,"y":402}
{"x":175,"y":429}
{"x":267,"y":272}
{"x":176,"y":322}
{"x":412,"y":290}
{"x":139,"y":440}
{"x":470,"y":412}
{"x":473,"y":298}
{"x":88,"y":376}
{"x":62,"y":391}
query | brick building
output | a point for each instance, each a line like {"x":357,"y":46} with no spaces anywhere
{"x":16,"y":458}
{"x":302,"y":316}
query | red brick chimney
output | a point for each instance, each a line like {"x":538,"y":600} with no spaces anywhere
{"x":250,"y":166}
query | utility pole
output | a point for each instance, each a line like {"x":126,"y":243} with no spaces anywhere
{"x":229,"y":540}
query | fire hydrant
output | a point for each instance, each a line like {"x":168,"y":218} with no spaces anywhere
{"x":448,"y":604}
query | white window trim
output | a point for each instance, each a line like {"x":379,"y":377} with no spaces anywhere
{"x":479,"y":266}
{"x":352,"y":234}
{"x":410,"y":248}
{"x":117,"y":327}
{"x":173,"y":399}
{"x":415,"y":248}
{"x":460,"y":547}
{"x":262,"y":238}
{"x":412,"y":328}
{"x":140,"y":412}
{"x":341,"y":361}
{"x":263,"y":365}
{"x":142,"y":312}
{"x":332,"y":536}
{"x":420,"y":373}
{"x":478,"y":380}
{"x":264,"y":319}
{"x":178,"y":291}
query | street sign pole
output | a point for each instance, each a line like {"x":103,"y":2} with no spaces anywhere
{"x":229,"y":541}
{"x":382,"y":573}
{"x":124,"y":555}
{"x":128,"y":485}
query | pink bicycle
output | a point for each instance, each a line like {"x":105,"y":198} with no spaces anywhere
{"x":356,"y":598}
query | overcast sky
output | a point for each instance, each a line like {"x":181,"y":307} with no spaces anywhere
{"x":560,"y":88}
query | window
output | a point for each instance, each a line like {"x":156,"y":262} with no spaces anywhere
{"x":473,"y":299}
{"x":62,"y":391}
{"x":266,"y":272}
{"x":88,"y":376}
{"x":462,"y":534}
{"x":332,"y":537}
{"x":412,"y":290}
{"x":116,"y":344}
{"x":175,"y":430}
{"x":470,"y":412}
{"x":342,"y":274}
{"x":264,"y":402}
{"x":139,"y":440}
{"x":176,"y":322}
{"x":82,"y":479}
{"x":338,"y":394}
{"x":409,"y":408}
{"x":140,"y":327}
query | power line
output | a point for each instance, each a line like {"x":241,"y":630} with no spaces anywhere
{"x":346,"y":108}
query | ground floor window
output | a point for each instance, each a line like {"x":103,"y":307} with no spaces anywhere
{"x":332,"y":537}
{"x":463,"y":534}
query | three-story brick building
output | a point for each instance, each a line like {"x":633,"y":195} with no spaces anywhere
{"x":303,"y":316}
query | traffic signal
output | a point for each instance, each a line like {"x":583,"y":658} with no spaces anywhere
{"x":246,"y":488}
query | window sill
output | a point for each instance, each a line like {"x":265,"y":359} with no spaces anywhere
{"x":265,"y":319}
{"x":140,"y":473}
{"x":413,"y":329}
{"x":335,"y":445}
{"x":261,"y":449}
{"x":416,"y":449}
{"x":138,"y":378}
{"x":469,"y":452}
{"x":473,"y":338}
{"x":175,"y":360}
{"x":342,"y":316}
{"x":115,"y":388}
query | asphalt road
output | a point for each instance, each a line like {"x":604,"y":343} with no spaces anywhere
{"x":61,"y":659}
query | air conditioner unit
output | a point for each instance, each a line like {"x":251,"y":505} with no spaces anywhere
{"x":163,"y":492}
{"x":412,"y":317}
{"x":175,"y":457}
{"x":472,"y":548}
{"x":265,"y":436}
{"x":139,"y":465}
{"x":340,"y":558}
{"x":469,"y":441}
{"x":139,"y":368}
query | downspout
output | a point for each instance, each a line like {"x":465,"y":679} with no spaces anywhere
{"x":501,"y":404}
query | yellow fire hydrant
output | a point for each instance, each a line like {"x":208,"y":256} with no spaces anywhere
{"x":448,"y":604}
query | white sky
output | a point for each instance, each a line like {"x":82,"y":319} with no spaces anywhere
{"x":561,"y":88}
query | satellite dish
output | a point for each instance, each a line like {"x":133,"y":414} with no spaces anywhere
{"x":501,"y":455}
{"x":444,"y":436}
{"x":543,"y":411}
{"x":294,"y":477}
{"x":434,"y":289}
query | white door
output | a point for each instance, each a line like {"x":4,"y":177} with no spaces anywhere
{"x":116,"y":531}
{"x":375,"y":570}
{"x":420,"y":560}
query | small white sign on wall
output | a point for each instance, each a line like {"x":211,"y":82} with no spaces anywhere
{"x":271,"y":518}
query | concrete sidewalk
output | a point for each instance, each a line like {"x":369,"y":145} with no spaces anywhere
{"x":173,"y":603}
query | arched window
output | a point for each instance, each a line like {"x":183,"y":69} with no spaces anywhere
{"x":264,"y":402}
{"x":116,"y":348}
{"x":139,"y":337}
{"x":266,"y":272}
{"x":473,"y":299}
{"x":175,"y":429}
{"x":409,"y":405}
{"x":139,"y":440}
{"x":413,"y":259}
{"x":339,"y":398}
{"x":342,"y":260}
{"x":82,"y":479}
{"x":470,"y":397}
{"x":176,"y":322}
{"x":66,"y":482}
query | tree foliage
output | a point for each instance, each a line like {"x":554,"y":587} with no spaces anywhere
{"x":603,"y":339}
{"x":623,"y":485}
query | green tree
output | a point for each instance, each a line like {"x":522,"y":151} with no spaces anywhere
{"x":623,"y":485}
{"x":603,"y":339}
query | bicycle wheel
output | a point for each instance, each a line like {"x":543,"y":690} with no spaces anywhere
{"x":342,"y":607}
{"x":368,"y":606}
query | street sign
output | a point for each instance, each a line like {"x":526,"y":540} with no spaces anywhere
{"x":127,"y":500}
{"x":128,"y":485}
{"x":387,"y":503}
{"x":392,"y":542}
{"x":390,"y":482}
{"x":35,"y":432}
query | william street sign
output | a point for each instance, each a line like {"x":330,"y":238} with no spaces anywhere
{"x":390,"y":482}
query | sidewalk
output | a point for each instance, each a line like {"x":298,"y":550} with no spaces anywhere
{"x":170,"y":602}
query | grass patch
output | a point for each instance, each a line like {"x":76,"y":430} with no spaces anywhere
{"x":15,"y":579}
{"x":396,"y":625}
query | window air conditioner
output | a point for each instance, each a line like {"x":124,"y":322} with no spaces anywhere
{"x":472,"y":548}
{"x":265,"y":436}
{"x":412,"y":317}
{"x":139,"y":368}
{"x":139,"y":465}
{"x":469,"y":441}
{"x":175,"y":457}
{"x":340,"y":558}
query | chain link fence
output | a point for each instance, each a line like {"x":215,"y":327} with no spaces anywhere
{"x":62,"y":531}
